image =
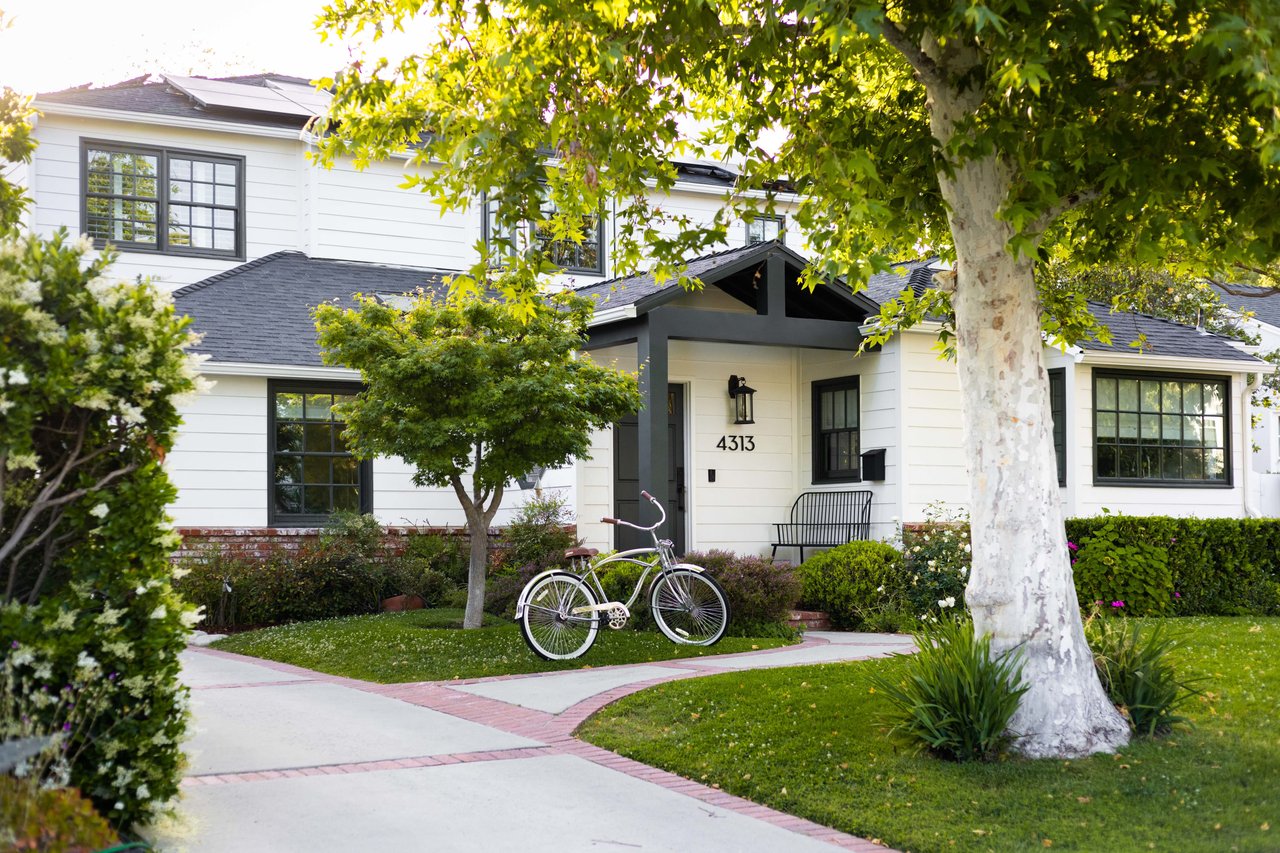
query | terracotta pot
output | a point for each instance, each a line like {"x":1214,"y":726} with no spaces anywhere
{"x":402,"y":602}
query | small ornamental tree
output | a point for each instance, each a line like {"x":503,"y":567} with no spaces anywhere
{"x":473,"y":391}
{"x":1000,"y":134}
{"x":91,"y":372}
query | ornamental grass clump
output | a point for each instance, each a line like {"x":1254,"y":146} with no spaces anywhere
{"x":1133,"y":662}
{"x":952,"y":697}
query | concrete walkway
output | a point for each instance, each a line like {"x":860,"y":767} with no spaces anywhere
{"x":285,"y":759}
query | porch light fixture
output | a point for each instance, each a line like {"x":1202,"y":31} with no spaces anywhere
{"x":743,"y":396}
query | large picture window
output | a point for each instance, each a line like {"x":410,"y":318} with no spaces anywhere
{"x":313,"y":475}
{"x":570,"y":255}
{"x":1153,"y":429}
{"x":835,"y":430}
{"x":161,"y":200}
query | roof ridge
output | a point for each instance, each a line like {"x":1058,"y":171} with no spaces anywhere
{"x":769,"y":245}
{"x":236,"y":270}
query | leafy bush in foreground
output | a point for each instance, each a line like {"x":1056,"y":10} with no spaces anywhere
{"x":851,"y":582}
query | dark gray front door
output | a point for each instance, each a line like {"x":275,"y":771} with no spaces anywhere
{"x":627,"y":485}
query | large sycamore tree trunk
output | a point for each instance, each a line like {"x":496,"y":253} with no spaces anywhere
{"x":1020,"y":590}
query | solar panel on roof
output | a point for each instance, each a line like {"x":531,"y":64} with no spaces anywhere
{"x":237,"y":96}
{"x":307,"y":97}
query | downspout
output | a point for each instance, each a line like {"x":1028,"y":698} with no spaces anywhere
{"x":1246,"y":407}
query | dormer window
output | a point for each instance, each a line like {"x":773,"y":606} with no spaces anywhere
{"x":141,"y":198}
{"x":571,"y":256}
{"x":762,"y":228}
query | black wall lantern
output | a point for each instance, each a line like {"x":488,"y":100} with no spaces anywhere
{"x":743,"y":396}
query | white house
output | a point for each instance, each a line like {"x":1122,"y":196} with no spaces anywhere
{"x":1259,"y":311}
{"x":205,"y":185}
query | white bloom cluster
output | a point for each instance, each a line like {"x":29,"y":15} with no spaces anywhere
{"x":99,"y":511}
{"x":949,"y":601}
{"x":13,"y":376}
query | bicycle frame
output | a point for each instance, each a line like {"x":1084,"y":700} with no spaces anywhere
{"x":660,"y":555}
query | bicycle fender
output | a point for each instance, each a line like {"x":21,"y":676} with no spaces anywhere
{"x":674,"y":566}
{"x":524,"y":593}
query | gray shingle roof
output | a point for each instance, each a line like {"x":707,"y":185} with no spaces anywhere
{"x":260,"y":312}
{"x":628,"y":290}
{"x":1264,"y":303}
{"x":1163,"y":337}
{"x":139,"y":95}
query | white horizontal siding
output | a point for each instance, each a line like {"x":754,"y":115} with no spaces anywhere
{"x":271,"y":190}
{"x":933,"y":432}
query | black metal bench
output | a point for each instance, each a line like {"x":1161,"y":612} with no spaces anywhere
{"x":825,"y":519}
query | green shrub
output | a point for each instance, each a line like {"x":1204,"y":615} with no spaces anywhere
{"x":936,"y":558}
{"x":501,"y":592}
{"x":618,"y":580}
{"x":95,"y":370}
{"x":952,"y":697}
{"x":1220,"y":566}
{"x":57,"y":820}
{"x":446,"y":554}
{"x":537,"y":536}
{"x":850,"y":582}
{"x":761,"y":593}
{"x":1133,"y":663}
{"x":1123,"y":575}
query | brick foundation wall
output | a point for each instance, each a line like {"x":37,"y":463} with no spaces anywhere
{"x":264,"y":541}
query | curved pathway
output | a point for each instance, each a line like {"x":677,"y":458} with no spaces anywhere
{"x":287,"y":759}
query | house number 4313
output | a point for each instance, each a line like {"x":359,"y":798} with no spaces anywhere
{"x":745,"y":443}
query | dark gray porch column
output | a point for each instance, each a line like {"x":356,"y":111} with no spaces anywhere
{"x":655,"y":447}
{"x":771,"y":298}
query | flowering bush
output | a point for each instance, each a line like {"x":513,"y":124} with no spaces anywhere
{"x":91,"y":376}
{"x":936,"y":558}
{"x":761,"y":593}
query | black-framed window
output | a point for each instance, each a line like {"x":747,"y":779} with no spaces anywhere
{"x":1161,"y":429}
{"x":836,"y":443}
{"x":762,"y":228}
{"x":149,"y":199}
{"x":1058,"y":411}
{"x":313,"y":474}
{"x":569,"y":255}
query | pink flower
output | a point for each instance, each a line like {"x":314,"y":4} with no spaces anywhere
{"x":1177,"y":595}
{"x":1073,"y":546}
{"x":1117,"y":604}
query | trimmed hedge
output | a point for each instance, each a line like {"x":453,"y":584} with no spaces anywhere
{"x":1220,"y":566}
{"x":852,"y":582}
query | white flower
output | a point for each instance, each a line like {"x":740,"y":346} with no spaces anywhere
{"x":86,"y":661}
{"x":967,"y":549}
{"x":83,"y":244}
{"x":131,"y":414}
{"x":191,"y":618}
{"x":949,"y":601}
{"x":17,"y":376}
{"x":99,"y":511}
{"x":66,"y":620}
{"x":29,"y":291}
{"x":159,"y":612}
{"x":109,"y":616}
{"x":143,"y":791}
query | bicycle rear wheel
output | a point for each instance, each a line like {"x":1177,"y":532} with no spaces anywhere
{"x":548,"y":623}
{"x":689,"y":607}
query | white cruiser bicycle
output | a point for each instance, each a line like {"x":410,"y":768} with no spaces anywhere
{"x":559,"y":611}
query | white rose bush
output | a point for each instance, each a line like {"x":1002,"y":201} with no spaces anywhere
{"x":92,"y":371}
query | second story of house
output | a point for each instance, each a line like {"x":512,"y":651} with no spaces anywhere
{"x":189,"y":177}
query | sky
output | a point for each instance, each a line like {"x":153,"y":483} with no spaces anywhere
{"x":56,"y":44}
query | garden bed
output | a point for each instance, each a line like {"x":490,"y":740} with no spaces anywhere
{"x":427,"y":645}
{"x":807,"y":741}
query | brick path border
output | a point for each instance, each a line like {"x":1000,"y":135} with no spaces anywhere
{"x":554,"y":731}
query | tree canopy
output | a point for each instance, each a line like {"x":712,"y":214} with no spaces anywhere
{"x":473,"y":391}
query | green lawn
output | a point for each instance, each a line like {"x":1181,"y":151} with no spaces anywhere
{"x":806,"y":741}
{"x":426,"y":645}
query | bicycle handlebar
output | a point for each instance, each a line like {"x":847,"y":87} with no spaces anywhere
{"x":651,"y":499}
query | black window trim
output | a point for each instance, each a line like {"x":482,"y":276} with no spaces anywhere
{"x":1228,"y":482}
{"x":854,"y":383}
{"x":1062,"y":461}
{"x":163,"y":153}
{"x":299,"y":386}
{"x":529,"y":229}
{"x":779,"y":218}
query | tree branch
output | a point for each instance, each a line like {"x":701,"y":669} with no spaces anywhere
{"x":1069,"y":202}
{"x":926,"y":69}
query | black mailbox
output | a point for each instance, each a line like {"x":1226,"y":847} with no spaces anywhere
{"x":873,"y":464}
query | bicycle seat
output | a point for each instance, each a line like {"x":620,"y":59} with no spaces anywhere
{"x":580,"y":552}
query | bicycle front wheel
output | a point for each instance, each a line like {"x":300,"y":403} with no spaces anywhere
{"x":689,"y":607}
{"x":549,"y":624}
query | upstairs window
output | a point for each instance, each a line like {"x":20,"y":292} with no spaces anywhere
{"x":570,"y":255}
{"x":313,"y":474}
{"x":835,"y":431}
{"x":762,"y":229}
{"x":1160,"y":429}
{"x":161,"y":200}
